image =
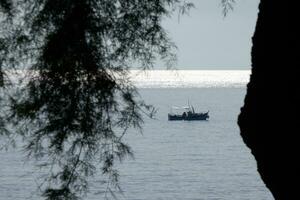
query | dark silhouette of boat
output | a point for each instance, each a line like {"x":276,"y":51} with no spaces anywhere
{"x":188,"y":114}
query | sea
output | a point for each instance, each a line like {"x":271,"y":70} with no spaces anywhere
{"x":173,"y":160}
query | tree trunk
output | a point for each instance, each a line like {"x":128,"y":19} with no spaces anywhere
{"x":268,"y":120}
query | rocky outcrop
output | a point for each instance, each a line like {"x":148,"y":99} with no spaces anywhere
{"x":269,"y":121}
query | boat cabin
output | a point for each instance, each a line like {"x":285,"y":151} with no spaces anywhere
{"x":186,"y":113}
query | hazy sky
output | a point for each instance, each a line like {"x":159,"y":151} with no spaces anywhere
{"x":205,"y":39}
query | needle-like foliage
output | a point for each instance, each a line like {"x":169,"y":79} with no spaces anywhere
{"x":227,"y":6}
{"x":5,"y":6}
{"x":76,"y":102}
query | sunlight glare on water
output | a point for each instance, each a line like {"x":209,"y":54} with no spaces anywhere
{"x":190,"y":78}
{"x":178,"y":160}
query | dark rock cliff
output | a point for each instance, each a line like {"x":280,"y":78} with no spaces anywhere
{"x":269,"y":121}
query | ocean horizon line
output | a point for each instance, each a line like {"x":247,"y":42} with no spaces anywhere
{"x":190,"y":78}
{"x":192,"y":69}
{"x":174,"y":70}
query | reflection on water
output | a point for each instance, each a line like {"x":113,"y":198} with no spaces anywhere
{"x":190,"y":78}
{"x":177,"y":160}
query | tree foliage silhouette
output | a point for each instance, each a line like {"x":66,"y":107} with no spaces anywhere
{"x":76,"y":101}
{"x":5,"y":6}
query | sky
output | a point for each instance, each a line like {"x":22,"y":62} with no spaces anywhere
{"x":208,"y":40}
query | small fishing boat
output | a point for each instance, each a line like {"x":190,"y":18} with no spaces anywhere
{"x":188,"y":114}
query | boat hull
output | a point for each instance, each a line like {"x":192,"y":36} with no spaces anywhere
{"x":194,"y":117}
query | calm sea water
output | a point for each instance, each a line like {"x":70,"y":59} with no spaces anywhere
{"x":200,"y":160}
